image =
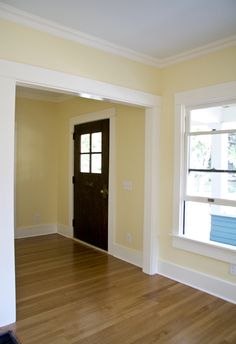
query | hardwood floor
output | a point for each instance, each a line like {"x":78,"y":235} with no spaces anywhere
{"x":68,"y":293}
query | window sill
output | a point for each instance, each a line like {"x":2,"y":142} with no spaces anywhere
{"x":211,"y":249}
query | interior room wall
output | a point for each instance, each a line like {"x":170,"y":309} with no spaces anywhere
{"x":23,"y":44}
{"x":26,"y":45}
{"x":36,"y":161}
{"x":211,"y":69}
{"x":130,"y":128}
{"x":42,"y":164}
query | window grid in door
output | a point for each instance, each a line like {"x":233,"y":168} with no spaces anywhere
{"x":91,"y":153}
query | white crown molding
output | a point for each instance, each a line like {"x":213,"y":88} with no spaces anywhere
{"x":203,"y":50}
{"x":11,"y":13}
{"x":8,"y":12}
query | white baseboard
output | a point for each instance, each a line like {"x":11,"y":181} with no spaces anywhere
{"x":127,"y":254}
{"x":37,"y":230}
{"x":65,"y":231}
{"x":209,"y":284}
{"x":124,"y":253}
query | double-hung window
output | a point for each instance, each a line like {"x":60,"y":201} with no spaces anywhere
{"x":205,"y":189}
{"x":210,"y":174}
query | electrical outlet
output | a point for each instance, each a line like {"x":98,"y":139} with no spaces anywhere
{"x":129,"y":237}
{"x":37,"y":218}
{"x":233,"y":269}
{"x":128,"y":185}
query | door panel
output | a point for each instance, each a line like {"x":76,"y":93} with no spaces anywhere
{"x":91,"y":162}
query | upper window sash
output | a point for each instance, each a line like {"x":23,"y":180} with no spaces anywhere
{"x":186,"y":113}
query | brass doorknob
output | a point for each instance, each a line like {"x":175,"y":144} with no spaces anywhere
{"x":104,"y":191}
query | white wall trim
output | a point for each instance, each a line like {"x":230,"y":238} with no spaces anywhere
{"x":7,"y":260}
{"x":85,"y":118}
{"x":66,"y":231}
{"x":8,"y":12}
{"x":225,"y":253}
{"x":36,"y":230}
{"x":52,"y":97}
{"x":36,"y":77}
{"x":209,"y":284}
{"x":151,"y":190}
{"x":124,"y":253}
{"x":206,"y":96}
{"x":21,"y":74}
{"x":199,"y":51}
{"x":129,"y":255}
{"x":92,"y":116}
{"x":11,"y":13}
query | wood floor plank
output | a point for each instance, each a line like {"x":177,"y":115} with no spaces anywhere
{"x":68,"y":293}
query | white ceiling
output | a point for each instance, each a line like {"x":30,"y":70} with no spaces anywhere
{"x":157,"y":29}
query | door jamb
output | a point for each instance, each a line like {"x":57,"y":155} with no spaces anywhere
{"x":86,"y":118}
{"x":12,"y":73}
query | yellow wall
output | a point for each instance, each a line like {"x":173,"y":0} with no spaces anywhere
{"x":36,"y":158}
{"x":129,"y":158}
{"x":130,"y":166}
{"x":29,"y":46}
{"x":21,"y":44}
{"x":211,"y":69}
{"x":43,"y":164}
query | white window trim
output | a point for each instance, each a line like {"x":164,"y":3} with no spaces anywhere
{"x":203,"y":96}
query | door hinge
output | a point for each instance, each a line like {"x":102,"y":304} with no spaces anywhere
{"x":73,"y":135}
{"x":73,"y":179}
{"x":73,"y":223}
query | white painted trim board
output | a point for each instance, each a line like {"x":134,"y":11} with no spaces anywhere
{"x":11,"y":13}
{"x":195,"y":279}
{"x":12,"y":74}
{"x":36,"y":230}
{"x":198,"y":280}
{"x":85,"y":118}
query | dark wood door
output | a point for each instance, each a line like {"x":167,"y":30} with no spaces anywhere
{"x":91,"y":171}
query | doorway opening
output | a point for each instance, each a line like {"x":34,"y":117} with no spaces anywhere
{"x":90,"y":182}
{"x":45,"y":164}
{"x":13,"y":74}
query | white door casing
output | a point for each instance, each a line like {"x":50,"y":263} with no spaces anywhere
{"x":12,"y":74}
{"x":90,"y":117}
{"x":7,"y":259}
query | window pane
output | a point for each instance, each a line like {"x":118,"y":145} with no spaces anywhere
{"x":96,"y":142}
{"x":199,"y":184}
{"x":212,"y":152}
{"x":197,"y":220}
{"x":231,"y":147}
{"x":200,"y":152}
{"x":84,"y":163}
{"x":212,"y":185}
{"x":218,"y":118}
{"x":96,"y":163}
{"x":85,"y":143}
{"x":206,"y":222}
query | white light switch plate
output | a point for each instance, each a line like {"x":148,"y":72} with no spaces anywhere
{"x":127,"y":185}
{"x":233,"y":269}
